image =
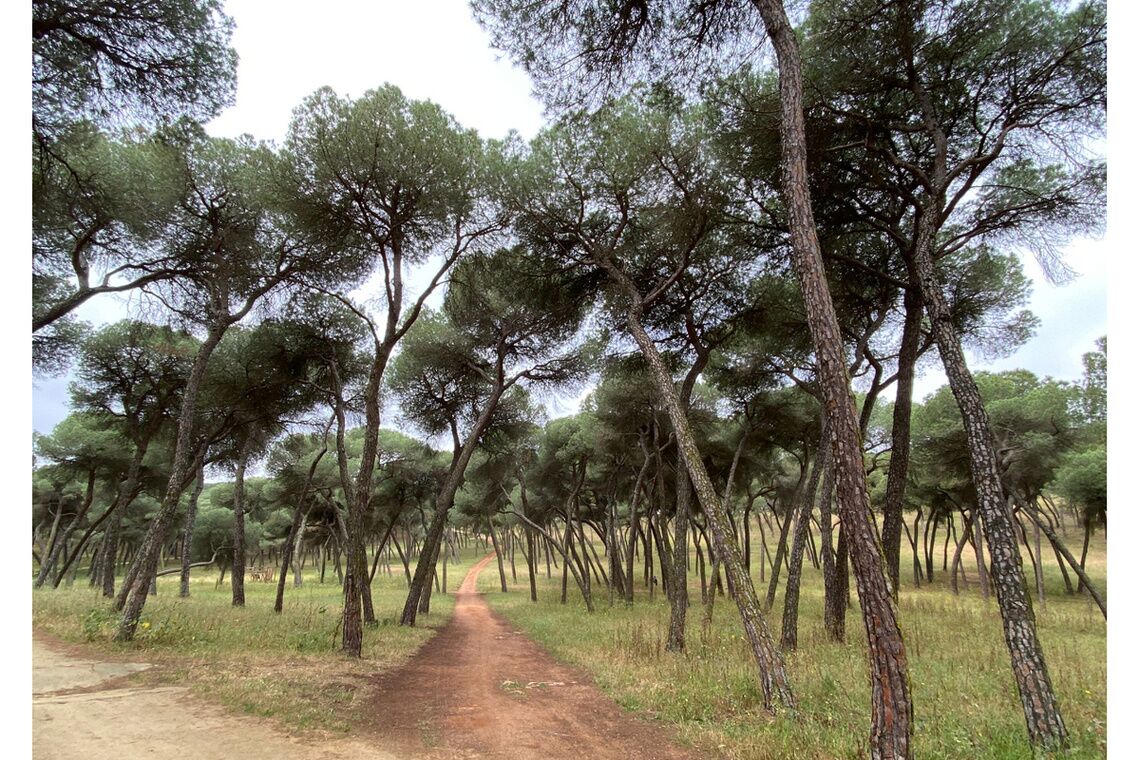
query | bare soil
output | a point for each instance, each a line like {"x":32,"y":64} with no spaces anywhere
{"x":481,"y":689}
{"x":96,"y":710}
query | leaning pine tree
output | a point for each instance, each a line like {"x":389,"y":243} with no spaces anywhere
{"x":576,"y":51}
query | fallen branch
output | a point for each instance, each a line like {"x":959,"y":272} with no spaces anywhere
{"x":210,"y":561}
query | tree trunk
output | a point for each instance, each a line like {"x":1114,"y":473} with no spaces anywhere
{"x":237,"y":571}
{"x":359,"y":493}
{"x":679,"y":586}
{"x":612,"y":550}
{"x":567,"y":536}
{"x":444,"y":501}
{"x":299,"y":553}
{"x":403,"y":559}
{"x":678,"y":582}
{"x":980,"y":558}
{"x":1042,"y":713}
{"x":532,"y":544}
{"x":509,"y":537}
{"x":445,"y":553}
{"x":916,"y":566}
{"x":834,"y":619}
{"x":891,"y":709}
{"x":966,"y":528}
{"x":835,"y":604}
{"x":147,"y":562}
{"x":1038,"y":562}
{"x":532,"y":562}
{"x":790,"y":628}
{"x":1085,"y":548}
{"x":550,"y":542}
{"x":61,"y":541}
{"x":1064,"y":571}
{"x":765,"y":558}
{"x":773,"y":676}
{"x":380,"y":550}
{"x":93,"y":568}
{"x":706,"y":599}
{"x":1053,"y":539}
{"x":498,"y":556}
{"x":97,"y":556}
{"x":748,"y":537}
{"x":290,"y":552}
{"x":188,"y":532}
{"x":781,"y":549}
{"x":648,"y":534}
{"x":928,"y":537}
{"x":53,"y":534}
{"x":900,"y":435}
{"x":126,"y":494}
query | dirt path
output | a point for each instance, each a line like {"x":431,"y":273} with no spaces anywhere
{"x":87,"y":710}
{"x":480,"y":689}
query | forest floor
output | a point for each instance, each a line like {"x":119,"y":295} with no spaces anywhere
{"x":481,"y":688}
{"x":84,"y":709}
{"x":478,"y":688}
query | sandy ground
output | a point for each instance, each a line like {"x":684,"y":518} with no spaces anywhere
{"x":86,"y":710}
{"x":480,"y":688}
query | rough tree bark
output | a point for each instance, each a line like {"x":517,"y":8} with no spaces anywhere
{"x":1042,"y":713}
{"x":891,"y":709}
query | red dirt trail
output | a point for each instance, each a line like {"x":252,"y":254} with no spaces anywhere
{"x":481,"y":689}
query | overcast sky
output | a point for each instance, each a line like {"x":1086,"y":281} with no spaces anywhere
{"x":434,"y":50}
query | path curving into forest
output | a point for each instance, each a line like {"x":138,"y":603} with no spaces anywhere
{"x":481,"y":689}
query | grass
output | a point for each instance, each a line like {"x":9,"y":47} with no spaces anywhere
{"x":288,"y":666}
{"x":965,"y":701}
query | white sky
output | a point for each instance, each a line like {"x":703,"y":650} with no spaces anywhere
{"x":431,"y":49}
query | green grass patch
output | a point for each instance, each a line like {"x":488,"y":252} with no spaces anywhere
{"x":965,"y":700}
